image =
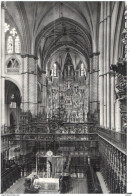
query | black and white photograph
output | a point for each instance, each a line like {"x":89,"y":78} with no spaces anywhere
{"x":63,"y":97}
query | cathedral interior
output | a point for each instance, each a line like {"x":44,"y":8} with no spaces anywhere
{"x":63,"y":97}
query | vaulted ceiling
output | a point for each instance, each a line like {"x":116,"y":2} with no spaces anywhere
{"x":49,"y":29}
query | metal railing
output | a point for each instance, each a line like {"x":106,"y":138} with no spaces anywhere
{"x":117,"y":138}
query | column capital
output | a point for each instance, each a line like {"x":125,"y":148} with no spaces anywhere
{"x":94,"y":54}
{"x":29,"y":56}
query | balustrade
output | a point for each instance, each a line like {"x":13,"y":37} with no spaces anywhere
{"x":113,"y":169}
{"x":117,"y":138}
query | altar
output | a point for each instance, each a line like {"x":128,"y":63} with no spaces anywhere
{"x":51,"y":184}
{"x":49,"y":165}
{"x":49,"y":170}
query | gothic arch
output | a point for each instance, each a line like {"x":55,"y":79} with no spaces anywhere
{"x":15,"y":83}
{"x":75,"y":24}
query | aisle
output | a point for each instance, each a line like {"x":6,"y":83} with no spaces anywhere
{"x":102,"y":183}
{"x":16,"y":188}
{"x":79,"y":186}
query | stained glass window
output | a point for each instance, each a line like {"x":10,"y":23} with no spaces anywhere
{"x":7,"y":27}
{"x":53,"y":73}
{"x":17,"y":44}
{"x":10,"y":45}
{"x":82,"y":70}
{"x":13,"y":32}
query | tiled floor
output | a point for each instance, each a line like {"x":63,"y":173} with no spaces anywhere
{"x":78,"y":186}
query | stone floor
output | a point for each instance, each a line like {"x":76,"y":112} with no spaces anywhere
{"x":79,"y":185}
{"x":17,"y":187}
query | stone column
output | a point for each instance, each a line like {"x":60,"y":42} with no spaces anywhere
{"x":94,"y":85}
{"x":25,"y":84}
{"x":88,"y":91}
{"x":112,"y":100}
{"x":44,"y":95}
{"x":2,"y":67}
{"x":90,"y":79}
{"x":117,"y":115}
{"x":29,"y":84}
{"x":33,"y":102}
{"x":101,"y":67}
{"x":108,"y":63}
{"x":105,"y":68}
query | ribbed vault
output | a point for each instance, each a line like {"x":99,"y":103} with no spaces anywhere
{"x":39,"y":22}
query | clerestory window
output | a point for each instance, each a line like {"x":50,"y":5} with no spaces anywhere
{"x":54,"y":71}
{"x":82,"y":70}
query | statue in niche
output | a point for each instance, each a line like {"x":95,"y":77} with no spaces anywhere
{"x":65,"y":116}
{"x":68,"y":70}
{"x":85,"y":129}
{"x":49,"y":169}
{"x":61,"y":130}
{"x":73,"y":117}
{"x":83,"y":116}
{"x":49,"y":116}
{"x":76,"y":90}
{"x":69,"y":119}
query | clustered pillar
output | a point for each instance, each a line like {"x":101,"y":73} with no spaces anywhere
{"x":106,"y":77}
{"x":94,"y":72}
{"x":2,"y":67}
{"x":44,"y":92}
{"x":29,"y":82}
{"x":112,"y":79}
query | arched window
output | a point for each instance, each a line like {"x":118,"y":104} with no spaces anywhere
{"x":13,"y":65}
{"x":17,"y":44}
{"x":10,"y":45}
{"x":53,"y":73}
{"x":13,"y":40}
{"x":82,"y":70}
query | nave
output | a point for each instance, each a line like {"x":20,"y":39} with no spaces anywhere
{"x":63,"y":95}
